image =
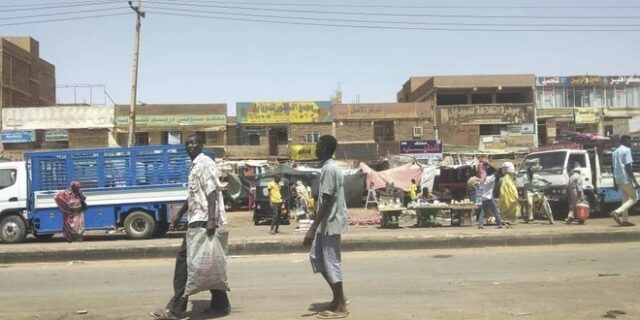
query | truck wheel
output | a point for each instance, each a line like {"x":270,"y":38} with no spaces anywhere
{"x":44,"y":237}
{"x":139,"y":225}
{"x":12,"y":229}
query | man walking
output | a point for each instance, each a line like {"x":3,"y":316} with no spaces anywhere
{"x":205,"y":209}
{"x":624,"y":180}
{"x":330,"y":222}
{"x":486,"y":195}
{"x":275,"y":201}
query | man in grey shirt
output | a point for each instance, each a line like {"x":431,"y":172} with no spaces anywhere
{"x":330,"y":222}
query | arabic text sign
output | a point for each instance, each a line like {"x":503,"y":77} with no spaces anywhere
{"x":284,"y":112}
{"x":551,"y":81}
{"x":18,"y":136}
{"x":56,"y":135}
{"x":420,"y":146}
{"x":382,"y":110}
{"x":303,"y":152}
{"x":622,"y":80}
{"x":585,"y":115}
{"x":174,"y":120}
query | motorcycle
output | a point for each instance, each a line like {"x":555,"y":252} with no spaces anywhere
{"x":539,"y":206}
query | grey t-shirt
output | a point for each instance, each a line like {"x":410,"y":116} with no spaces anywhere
{"x":332,"y":183}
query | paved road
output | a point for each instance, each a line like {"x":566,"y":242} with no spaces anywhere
{"x":551,"y":282}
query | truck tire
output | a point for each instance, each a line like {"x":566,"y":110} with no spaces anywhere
{"x":139,"y":225}
{"x":12,"y":229}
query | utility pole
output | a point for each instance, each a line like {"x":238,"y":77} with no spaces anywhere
{"x":134,"y":77}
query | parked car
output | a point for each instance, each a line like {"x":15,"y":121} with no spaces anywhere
{"x":262,"y":211}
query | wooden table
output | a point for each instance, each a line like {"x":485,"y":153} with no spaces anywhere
{"x":463,"y":213}
{"x":426,"y":215}
{"x":391,"y":217}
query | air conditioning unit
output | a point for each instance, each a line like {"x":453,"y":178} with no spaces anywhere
{"x":417,"y":132}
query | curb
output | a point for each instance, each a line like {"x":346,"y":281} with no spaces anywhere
{"x":349,"y":244}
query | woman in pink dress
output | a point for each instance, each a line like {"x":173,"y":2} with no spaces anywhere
{"x":72,"y":203}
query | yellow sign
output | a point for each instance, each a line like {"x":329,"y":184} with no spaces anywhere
{"x":302,"y":152}
{"x":284,"y":112}
{"x":585,"y":115}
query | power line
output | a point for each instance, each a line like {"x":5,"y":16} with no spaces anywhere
{"x":39,"y":7}
{"x":390,"y":27}
{"x":63,"y":19}
{"x":326,"y":5}
{"x":53,"y":14}
{"x":401,"y":22}
{"x":356,"y":13}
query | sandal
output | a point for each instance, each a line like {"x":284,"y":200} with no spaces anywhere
{"x":163,"y":315}
{"x":332,"y":315}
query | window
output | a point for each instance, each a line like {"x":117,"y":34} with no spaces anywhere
{"x":7,"y":178}
{"x":383,"y":131}
{"x":312,"y":137}
{"x":142,"y":138}
{"x":171,"y":137}
{"x":491,"y":129}
{"x":203,"y":136}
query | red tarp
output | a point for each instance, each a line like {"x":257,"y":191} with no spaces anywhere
{"x":400,"y":176}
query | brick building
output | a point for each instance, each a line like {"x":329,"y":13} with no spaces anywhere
{"x":172,"y":123}
{"x":367,"y":131}
{"x":274,"y":129}
{"x":27,"y":80}
{"x":478,"y":111}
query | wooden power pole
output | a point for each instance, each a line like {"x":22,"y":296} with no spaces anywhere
{"x":134,"y":78}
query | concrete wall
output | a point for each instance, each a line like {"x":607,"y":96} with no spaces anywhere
{"x":88,"y":138}
{"x":247,"y":152}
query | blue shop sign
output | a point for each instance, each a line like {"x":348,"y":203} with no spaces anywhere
{"x":18,"y":136}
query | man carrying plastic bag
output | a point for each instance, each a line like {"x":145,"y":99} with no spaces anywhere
{"x":201,"y":261}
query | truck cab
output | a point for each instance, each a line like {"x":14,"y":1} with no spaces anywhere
{"x":13,"y":200}
{"x":556,"y":167}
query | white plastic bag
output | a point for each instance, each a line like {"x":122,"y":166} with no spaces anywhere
{"x":206,"y":261}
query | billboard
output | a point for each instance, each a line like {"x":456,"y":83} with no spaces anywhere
{"x":175,"y":120}
{"x":422,"y":149}
{"x":283,"y":112}
{"x":585,"y":115}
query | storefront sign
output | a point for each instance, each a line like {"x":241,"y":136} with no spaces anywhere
{"x":177,"y":120}
{"x":382,"y":110}
{"x":585,"y":115}
{"x":484,"y":114}
{"x":56,"y":135}
{"x":421,"y":149}
{"x":555,"y":112}
{"x":623,"y":80}
{"x":18,"y":136}
{"x":581,"y":81}
{"x":283,"y":112}
{"x":302,"y":152}
{"x":551,"y":81}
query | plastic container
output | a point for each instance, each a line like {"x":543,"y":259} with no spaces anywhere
{"x":582,"y":210}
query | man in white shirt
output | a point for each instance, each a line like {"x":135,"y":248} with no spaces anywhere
{"x":486,"y":195}
{"x":205,"y":209}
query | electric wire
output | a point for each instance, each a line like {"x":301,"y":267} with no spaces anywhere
{"x":61,"y":13}
{"x":356,"y":13}
{"x":59,"y":6}
{"x":63,"y":19}
{"x":326,"y":5}
{"x":386,"y":27}
{"x":401,"y":22}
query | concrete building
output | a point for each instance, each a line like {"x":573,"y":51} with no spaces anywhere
{"x":173,"y":123}
{"x":55,"y":127}
{"x":608,"y":105}
{"x":27,"y":80}
{"x":478,"y":112}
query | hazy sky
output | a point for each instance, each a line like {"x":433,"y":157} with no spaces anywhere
{"x":205,"y":60}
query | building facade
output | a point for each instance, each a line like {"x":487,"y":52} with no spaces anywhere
{"x":158,"y":124}
{"x":27,"y":80}
{"x":478,"y":112}
{"x":609,"y":105}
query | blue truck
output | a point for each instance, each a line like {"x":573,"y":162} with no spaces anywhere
{"x":132,"y":188}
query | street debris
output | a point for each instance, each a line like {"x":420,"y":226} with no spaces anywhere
{"x":613,"y":314}
{"x":608,"y":274}
{"x":75,"y":262}
{"x":82,"y":311}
